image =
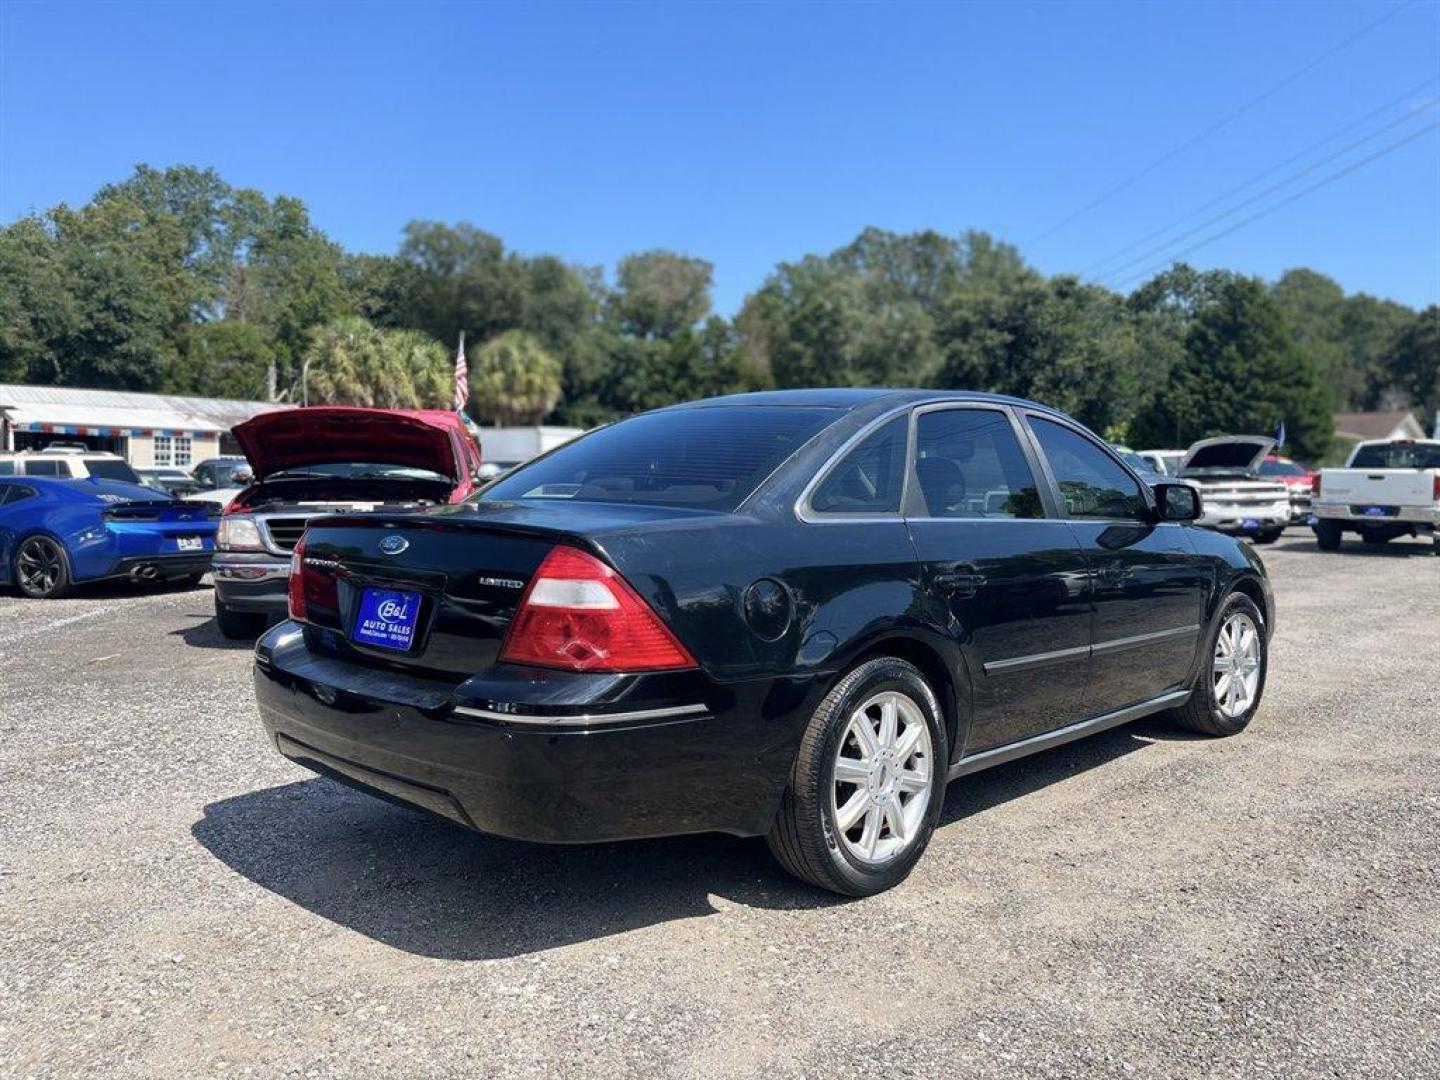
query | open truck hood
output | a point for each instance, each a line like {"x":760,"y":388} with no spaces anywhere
{"x":1237,"y":455}
{"x":332,"y":434}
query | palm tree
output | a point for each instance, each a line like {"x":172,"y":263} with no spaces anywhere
{"x":513,"y":380}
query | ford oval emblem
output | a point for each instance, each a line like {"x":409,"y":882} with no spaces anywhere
{"x":393,"y":544}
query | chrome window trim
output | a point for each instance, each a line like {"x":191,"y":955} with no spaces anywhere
{"x":811,"y":516}
{"x":582,"y":721}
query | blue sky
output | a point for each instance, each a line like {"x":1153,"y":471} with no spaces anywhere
{"x":750,"y":134}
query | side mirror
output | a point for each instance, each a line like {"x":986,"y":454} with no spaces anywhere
{"x":1177,"y":502}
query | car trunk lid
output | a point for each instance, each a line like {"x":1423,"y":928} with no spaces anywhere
{"x":434,"y":594}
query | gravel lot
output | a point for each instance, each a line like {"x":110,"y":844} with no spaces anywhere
{"x":175,"y":899}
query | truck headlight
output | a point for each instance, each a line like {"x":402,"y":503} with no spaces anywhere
{"x":239,"y":534}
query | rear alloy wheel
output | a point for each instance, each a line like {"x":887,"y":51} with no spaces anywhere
{"x":867,"y":784}
{"x":41,"y":570}
{"x":1227,"y":693}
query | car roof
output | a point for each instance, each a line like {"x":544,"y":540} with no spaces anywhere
{"x":848,"y":399}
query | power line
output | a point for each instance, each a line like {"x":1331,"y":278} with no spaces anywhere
{"x":1407,"y":95}
{"x":1324,"y":182}
{"x":1253,"y":199}
{"x":1223,"y":122}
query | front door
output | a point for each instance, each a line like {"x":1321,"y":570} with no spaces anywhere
{"x":1148,"y":582}
{"x":1002,"y":570}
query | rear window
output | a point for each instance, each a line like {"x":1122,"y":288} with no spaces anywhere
{"x":37,"y":467}
{"x":709,"y":458}
{"x":1397,"y":455}
{"x":109,"y":469}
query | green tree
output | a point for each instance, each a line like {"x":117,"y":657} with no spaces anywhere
{"x":351,"y":362}
{"x":514,"y":380}
{"x":1412,"y":364}
{"x":224,"y":358}
{"x":661,"y":293}
{"x":1241,"y":373}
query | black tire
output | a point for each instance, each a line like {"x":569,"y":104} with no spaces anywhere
{"x":41,"y":568}
{"x":1369,"y":536}
{"x":239,"y":625}
{"x":805,"y":837}
{"x":1328,"y":534}
{"x":1269,"y":536}
{"x":1202,"y":713}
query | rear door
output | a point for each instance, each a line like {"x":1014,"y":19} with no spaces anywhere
{"x":1148,"y":582}
{"x":1002,"y":570}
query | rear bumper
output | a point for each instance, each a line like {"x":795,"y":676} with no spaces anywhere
{"x":251,"y":581}
{"x":582,"y":772}
{"x":1420,"y":516}
{"x":165,"y":566}
{"x":1240,"y":523}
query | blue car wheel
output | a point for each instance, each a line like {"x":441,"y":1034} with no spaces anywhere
{"x":41,"y":569}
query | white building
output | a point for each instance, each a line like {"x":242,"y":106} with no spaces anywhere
{"x":144,"y":429}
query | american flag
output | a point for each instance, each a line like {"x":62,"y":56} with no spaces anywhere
{"x":462,"y":377}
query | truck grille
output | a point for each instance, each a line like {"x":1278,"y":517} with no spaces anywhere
{"x":285,"y":532}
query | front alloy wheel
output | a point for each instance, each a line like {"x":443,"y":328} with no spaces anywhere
{"x":40,"y":569}
{"x":867,"y":784}
{"x":1236,"y":665}
{"x":1227,"y":692}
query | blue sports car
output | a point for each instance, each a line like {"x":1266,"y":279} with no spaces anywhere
{"x":54,"y":533}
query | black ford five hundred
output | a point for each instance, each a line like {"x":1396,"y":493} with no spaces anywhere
{"x":794,"y":614}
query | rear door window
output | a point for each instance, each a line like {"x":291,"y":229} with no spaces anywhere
{"x":46,"y":467}
{"x":968,"y":464}
{"x":710,"y":458}
{"x":869,"y":479}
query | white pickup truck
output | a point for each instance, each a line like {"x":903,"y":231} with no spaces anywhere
{"x":1388,"y":488}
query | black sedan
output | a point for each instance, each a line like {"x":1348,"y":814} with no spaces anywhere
{"x":794,"y":614}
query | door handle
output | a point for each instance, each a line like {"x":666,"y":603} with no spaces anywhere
{"x":959,"y":580}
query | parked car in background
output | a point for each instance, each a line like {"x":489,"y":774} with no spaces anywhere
{"x":173,"y":482}
{"x":220,"y":472}
{"x":54,"y":533}
{"x":1388,"y":488}
{"x":325,"y":460}
{"x":1298,"y":480}
{"x":1236,"y":500}
{"x":1164,"y":462}
{"x":238,"y":480}
{"x":68,"y":463}
{"x":794,"y":614}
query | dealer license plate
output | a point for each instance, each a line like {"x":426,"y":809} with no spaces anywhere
{"x":387,"y":618}
{"x":190,"y":543}
{"x":1375,"y":511}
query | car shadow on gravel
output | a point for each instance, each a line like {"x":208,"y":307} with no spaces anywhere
{"x":432,"y":888}
{"x":204,"y":633}
{"x":424,"y":885}
{"x":994,"y":787}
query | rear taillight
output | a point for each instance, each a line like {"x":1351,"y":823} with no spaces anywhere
{"x":580,"y":615}
{"x":1315,"y":485}
{"x":295,"y":588}
{"x":1435,"y":488}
